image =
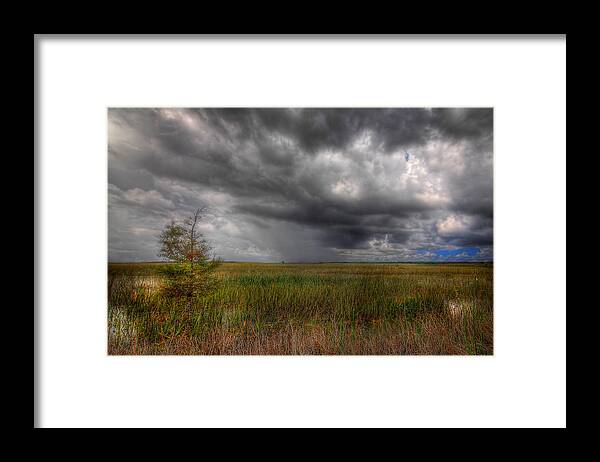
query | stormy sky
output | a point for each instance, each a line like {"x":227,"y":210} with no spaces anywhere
{"x":304,"y":184}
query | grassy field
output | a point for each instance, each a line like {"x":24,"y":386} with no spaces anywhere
{"x":306,"y":309}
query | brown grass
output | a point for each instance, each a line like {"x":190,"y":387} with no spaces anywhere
{"x":310,"y":309}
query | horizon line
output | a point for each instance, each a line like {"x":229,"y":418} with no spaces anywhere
{"x":316,"y":262}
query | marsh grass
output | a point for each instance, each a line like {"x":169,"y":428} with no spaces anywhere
{"x":330,"y":309}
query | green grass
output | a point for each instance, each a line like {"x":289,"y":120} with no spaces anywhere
{"x":307,"y":309}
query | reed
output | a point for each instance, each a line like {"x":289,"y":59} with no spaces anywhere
{"x":301,"y":309}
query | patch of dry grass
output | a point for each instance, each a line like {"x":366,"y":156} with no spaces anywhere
{"x":307,"y":309}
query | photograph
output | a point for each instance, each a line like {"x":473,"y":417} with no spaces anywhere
{"x":300,"y":231}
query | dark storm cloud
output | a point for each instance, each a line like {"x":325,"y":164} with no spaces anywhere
{"x":304,"y":184}
{"x":461,"y":123}
{"x":316,"y":129}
